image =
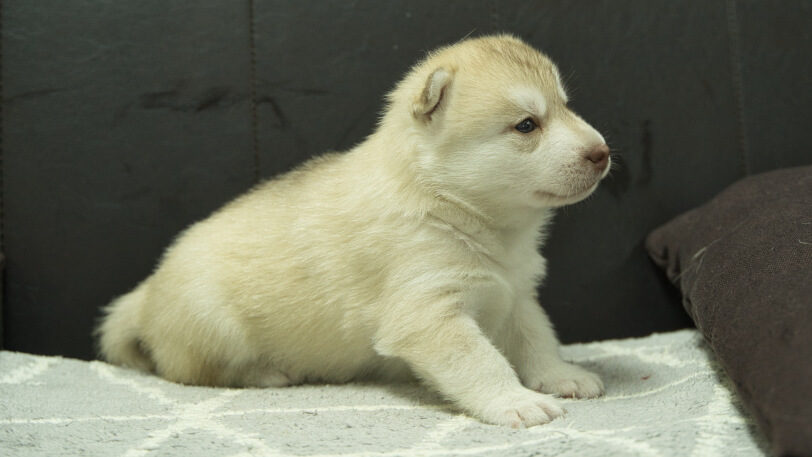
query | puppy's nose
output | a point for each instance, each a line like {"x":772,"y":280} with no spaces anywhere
{"x":599,"y":156}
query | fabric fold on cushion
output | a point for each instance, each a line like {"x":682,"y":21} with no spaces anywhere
{"x":743,"y":262}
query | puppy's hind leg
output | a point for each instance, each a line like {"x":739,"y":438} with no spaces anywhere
{"x":262,"y":375}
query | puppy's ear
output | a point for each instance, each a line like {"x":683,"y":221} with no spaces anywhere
{"x":433,"y":95}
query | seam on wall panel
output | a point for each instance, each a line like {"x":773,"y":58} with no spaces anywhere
{"x":253,"y":88}
{"x":2,"y":170}
{"x":494,"y":12}
{"x":734,"y":48}
{"x":2,"y":187}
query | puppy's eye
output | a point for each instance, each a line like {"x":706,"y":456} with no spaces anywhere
{"x":526,"y":126}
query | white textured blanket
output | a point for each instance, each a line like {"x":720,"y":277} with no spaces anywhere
{"x":665,"y":396}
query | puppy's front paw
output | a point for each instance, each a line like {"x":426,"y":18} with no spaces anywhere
{"x":568,"y":380}
{"x":521,"y":408}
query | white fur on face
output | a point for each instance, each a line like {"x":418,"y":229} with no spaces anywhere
{"x":557,"y":172}
{"x":529,"y":100}
{"x":498,"y":166}
{"x":567,"y":177}
{"x":561,"y":88}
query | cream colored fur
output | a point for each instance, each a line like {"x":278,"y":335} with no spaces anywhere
{"x":415,"y":253}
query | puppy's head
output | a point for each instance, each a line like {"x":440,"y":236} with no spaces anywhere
{"x":492,"y":125}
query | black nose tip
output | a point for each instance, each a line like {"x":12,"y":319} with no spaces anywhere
{"x":599,"y":156}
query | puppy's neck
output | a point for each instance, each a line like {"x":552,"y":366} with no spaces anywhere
{"x":396,"y":169}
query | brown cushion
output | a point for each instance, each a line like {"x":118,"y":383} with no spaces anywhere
{"x":743,"y":262}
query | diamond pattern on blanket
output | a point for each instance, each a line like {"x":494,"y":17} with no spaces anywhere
{"x":665,"y":396}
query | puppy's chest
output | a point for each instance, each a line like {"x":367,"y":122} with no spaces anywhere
{"x":495,"y":270}
{"x":510,"y":278}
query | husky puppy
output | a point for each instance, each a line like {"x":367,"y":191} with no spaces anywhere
{"x":413,"y":254}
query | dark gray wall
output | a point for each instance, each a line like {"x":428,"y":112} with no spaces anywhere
{"x":123,"y":122}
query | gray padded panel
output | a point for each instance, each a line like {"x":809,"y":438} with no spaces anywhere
{"x":125,"y":122}
{"x":657,"y":85}
{"x":776,"y":64}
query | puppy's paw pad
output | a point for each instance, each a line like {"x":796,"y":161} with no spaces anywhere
{"x":570,"y":381}
{"x":522,"y":409}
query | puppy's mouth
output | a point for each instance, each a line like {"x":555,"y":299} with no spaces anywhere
{"x":570,"y":197}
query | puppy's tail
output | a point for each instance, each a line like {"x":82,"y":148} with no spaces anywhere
{"x":118,"y":333}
